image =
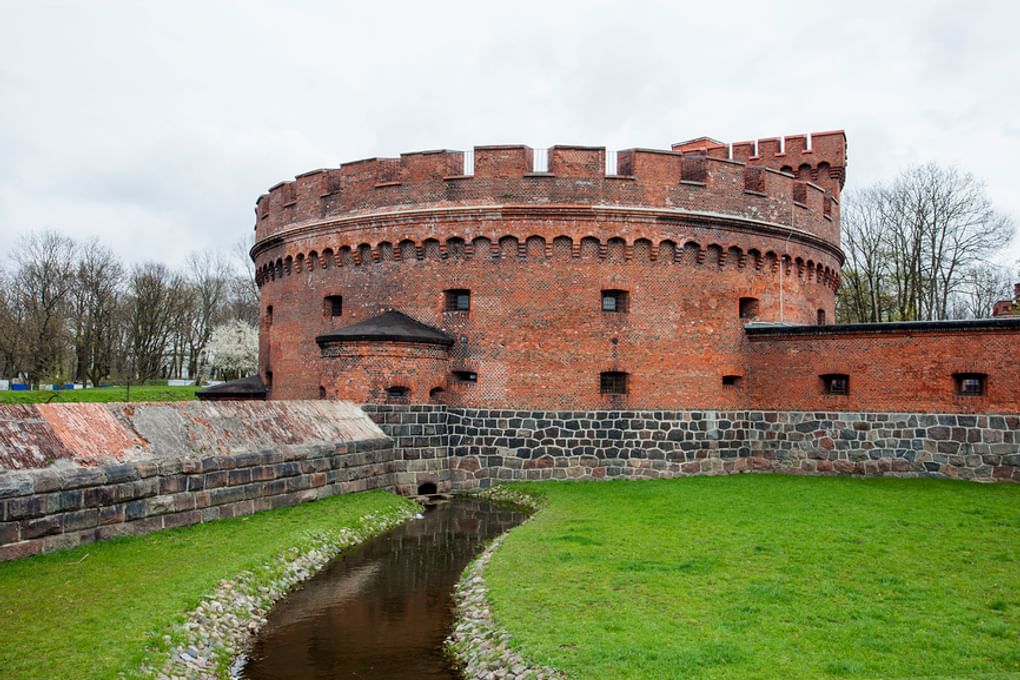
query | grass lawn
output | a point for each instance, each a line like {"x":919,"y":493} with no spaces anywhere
{"x":766,"y":576}
{"x":100,"y":609}
{"x":114,"y":393}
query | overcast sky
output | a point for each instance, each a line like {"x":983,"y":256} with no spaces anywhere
{"x":156,"y":125}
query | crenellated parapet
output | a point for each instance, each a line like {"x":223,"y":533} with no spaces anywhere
{"x":796,"y":189}
{"x":819,"y":157}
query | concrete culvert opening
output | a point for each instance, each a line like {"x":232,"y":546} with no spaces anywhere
{"x":427,"y":489}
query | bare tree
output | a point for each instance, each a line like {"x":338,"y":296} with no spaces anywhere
{"x":209,"y":289}
{"x":911,"y":244}
{"x":244,"y":293}
{"x":42,"y":286}
{"x":981,"y":288}
{"x":866,"y":226}
{"x":96,"y":294}
{"x":153,"y":306}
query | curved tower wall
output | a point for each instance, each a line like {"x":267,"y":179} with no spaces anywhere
{"x":684,"y":234}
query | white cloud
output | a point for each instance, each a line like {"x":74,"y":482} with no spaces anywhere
{"x":156,"y":126}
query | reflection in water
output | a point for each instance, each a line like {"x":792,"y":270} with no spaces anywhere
{"x":383,"y":610}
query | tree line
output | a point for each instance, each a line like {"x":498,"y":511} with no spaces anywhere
{"x":923,"y":247}
{"x":74,"y":311}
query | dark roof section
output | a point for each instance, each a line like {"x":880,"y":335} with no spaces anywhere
{"x":390,"y":326}
{"x":252,"y":385}
{"x":759,"y":329}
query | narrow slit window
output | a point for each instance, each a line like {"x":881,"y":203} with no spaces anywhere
{"x":821,"y":317}
{"x":613,"y":382}
{"x":465,"y":376}
{"x":615,"y":301}
{"x":269,"y":315}
{"x":971,"y":384}
{"x":836,"y":383}
{"x":333,"y":305}
{"x":749,"y":308}
{"x":457,"y":300}
{"x":731,"y":380}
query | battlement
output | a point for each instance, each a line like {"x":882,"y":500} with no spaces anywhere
{"x":819,"y":157}
{"x":703,"y":175}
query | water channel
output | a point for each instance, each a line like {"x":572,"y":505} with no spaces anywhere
{"x":383,"y":609}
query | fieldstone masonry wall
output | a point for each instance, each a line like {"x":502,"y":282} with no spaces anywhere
{"x":491,"y":445}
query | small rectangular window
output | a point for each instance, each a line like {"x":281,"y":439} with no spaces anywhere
{"x":465,"y":376}
{"x":836,"y":383}
{"x":269,"y":315}
{"x":615,"y":301}
{"x":613,"y":382}
{"x":457,"y":300}
{"x":821,"y":317}
{"x":749,"y":308}
{"x":731,"y":380}
{"x":970,"y":384}
{"x":333,"y":305}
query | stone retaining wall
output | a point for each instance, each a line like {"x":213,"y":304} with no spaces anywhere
{"x":420,"y":435}
{"x":65,"y":505}
{"x":50,"y":509}
{"x":491,"y":445}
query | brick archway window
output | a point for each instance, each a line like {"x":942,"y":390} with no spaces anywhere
{"x":398,"y":394}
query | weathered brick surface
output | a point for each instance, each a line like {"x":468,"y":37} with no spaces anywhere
{"x":687,"y":233}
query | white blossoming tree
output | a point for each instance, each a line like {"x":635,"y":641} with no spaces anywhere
{"x":233,"y":350}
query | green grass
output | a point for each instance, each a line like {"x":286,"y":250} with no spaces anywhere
{"x":766,"y":576}
{"x":114,"y":393}
{"x":101,"y":609}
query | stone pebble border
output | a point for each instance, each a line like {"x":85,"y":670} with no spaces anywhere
{"x":478,"y":645}
{"x":210,"y":643}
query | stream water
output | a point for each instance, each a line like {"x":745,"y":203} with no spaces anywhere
{"x":384,"y":609}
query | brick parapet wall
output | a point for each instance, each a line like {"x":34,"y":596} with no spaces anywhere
{"x":360,"y":191}
{"x":50,"y":509}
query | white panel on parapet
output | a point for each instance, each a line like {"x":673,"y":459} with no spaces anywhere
{"x":469,"y":162}
{"x":540,"y":160}
{"x":611,"y":157}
